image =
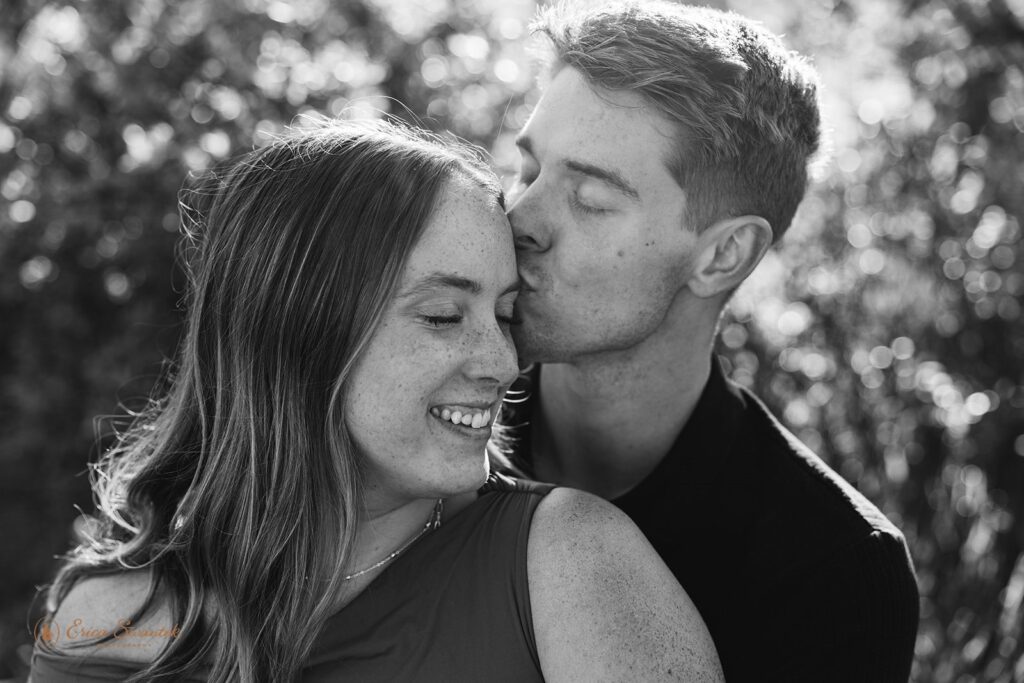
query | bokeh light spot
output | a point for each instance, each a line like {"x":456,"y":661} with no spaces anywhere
{"x":20,"y":108}
{"x":903,"y":348}
{"x":794,"y":320}
{"x":7,"y":138}
{"x":506,"y":70}
{"x":22,"y":211}
{"x":434,"y":71}
{"x":216,"y":143}
{"x":880,"y":357}
{"x":871,"y":262}
{"x":859,"y":236}
{"x":117,"y":285}
{"x":954,"y":268}
{"x":37,"y":270}
{"x":977,"y":404}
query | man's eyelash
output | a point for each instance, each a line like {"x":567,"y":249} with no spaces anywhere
{"x":522,"y":180}
{"x":585,"y":208}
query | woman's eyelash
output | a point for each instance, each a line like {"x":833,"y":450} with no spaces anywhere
{"x":442,"y":320}
{"x":447,"y":320}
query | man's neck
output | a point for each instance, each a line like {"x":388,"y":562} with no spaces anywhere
{"x":604,"y":422}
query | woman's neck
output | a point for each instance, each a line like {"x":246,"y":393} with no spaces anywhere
{"x":388,"y":527}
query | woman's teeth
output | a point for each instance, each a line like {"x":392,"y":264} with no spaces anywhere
{"x":467,"y":417}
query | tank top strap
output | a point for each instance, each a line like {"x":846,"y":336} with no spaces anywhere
{"x":499,"y":481}
{"x":521,"y":498}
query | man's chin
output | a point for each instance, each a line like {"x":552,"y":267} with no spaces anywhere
{"x":524,"y":349}
{"x":528,"y":347}
{"x":534,"y":348}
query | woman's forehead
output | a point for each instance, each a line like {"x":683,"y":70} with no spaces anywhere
{"x":467,"y":236}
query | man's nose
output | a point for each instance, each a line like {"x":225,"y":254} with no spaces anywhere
{"x":530,"y":227}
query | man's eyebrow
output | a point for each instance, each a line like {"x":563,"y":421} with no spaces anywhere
{"x":607,"y":175}
{"x":439,"y":280}
{"x":604,"y":174}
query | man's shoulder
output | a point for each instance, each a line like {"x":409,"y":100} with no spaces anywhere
{"x":803,"y":501}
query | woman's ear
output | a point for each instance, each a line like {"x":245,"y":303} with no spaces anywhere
{"x":730,"y":249}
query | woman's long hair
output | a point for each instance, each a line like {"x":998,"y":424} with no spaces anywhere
{"x":240,"y":487}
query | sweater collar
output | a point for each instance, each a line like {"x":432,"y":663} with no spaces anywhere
{"x":700,"y":455}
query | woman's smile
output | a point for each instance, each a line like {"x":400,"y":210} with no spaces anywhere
{"x":476,"y":418}
{"x":467,"y":420}
{"x":481,"y":434}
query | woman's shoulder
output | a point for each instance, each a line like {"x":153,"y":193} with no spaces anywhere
{"x":117,"y":616}
{"x":592,"y":525}
{"x":598,"y":586}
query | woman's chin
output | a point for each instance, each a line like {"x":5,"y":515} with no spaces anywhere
{"x":470,"y":477}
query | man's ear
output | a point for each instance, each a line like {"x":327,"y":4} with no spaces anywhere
{"x":729,"y":250}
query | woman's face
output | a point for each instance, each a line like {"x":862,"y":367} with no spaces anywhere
{"x":423,"y":395}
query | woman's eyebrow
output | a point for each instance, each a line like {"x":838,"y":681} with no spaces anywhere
{"x":441,"y":280}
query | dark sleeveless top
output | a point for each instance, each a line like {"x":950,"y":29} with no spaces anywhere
{"x":455,"y":606}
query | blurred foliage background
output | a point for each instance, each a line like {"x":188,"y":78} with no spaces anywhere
{"x":886,"y":330}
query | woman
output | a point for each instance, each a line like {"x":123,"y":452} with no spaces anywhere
{"x":306,"y":501}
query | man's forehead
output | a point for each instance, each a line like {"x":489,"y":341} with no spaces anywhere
{"x":623,"y":146}
{"x":595,"y":120}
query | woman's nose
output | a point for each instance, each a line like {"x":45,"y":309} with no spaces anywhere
{"x":493,"y":356}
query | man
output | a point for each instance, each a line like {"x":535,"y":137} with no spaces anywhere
{"x":668,"y":152}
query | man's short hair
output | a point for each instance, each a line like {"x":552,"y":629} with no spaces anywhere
{"x":745,"y":107}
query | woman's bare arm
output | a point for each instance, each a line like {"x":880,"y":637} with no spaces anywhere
{"x":605,"y":607}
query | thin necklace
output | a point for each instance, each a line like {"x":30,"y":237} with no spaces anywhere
{"x":432,"y":523}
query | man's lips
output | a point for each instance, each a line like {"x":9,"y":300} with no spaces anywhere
{"x":525,"y":283}
{"x":527,"y":293}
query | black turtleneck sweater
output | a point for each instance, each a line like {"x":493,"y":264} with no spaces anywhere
{"x":797,"y":575}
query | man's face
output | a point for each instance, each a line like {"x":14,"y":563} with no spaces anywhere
{"x":601,"y":240}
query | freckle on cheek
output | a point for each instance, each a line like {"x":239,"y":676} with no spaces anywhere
{"x":620,"y":253}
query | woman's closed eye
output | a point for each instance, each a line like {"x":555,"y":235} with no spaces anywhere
{"x":504,"y":319}
{"x":448,"y":316}
{"x":504,"y":310}
{"x":442,"y":321}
